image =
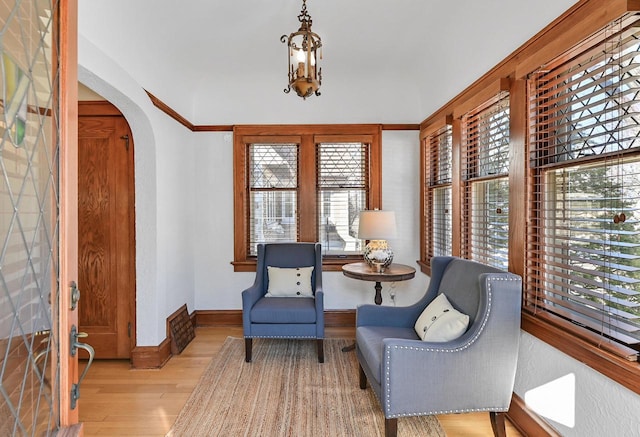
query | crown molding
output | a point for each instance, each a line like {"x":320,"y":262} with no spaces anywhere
{"x":229,"y":127}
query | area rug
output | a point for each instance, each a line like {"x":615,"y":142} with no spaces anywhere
{"x":286,"y":392}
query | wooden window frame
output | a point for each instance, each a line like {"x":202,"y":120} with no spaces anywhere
{"x":575,"y":341}
{"x":472,"y":158}
{"x":431,"y":172}
{"x":309,"y":136}
{"x":576,"y":26}
{"x":550,"y":152}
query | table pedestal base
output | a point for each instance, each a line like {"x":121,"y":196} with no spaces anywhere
{"x":361,"y":271}
{"x":378,"y":301}
{"x":378,"y":298}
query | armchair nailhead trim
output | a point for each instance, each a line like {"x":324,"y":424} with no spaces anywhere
{"x":429,"y":413}
{"x":389,"y":353}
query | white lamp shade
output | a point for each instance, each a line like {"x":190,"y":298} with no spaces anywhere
{"x":377,"y":225}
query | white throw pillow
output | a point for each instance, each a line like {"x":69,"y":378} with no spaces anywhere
{"x":440,"y":321}
{"x":289,"y":282}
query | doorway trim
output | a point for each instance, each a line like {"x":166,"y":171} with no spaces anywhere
{"x":144,"y":181}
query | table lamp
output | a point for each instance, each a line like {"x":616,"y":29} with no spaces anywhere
{"x":376,"y":226}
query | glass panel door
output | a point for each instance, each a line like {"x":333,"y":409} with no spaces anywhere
{"x":29,"y":231}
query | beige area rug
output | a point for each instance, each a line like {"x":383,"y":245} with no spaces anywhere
{"x":286,"y":392}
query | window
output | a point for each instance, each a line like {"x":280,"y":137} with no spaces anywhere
{"x":304,"y":183}
{"x":584,"y":264}
{"x":437,"y":202}
{"x":342,"y":194}
{"x":273,"y":194}
{"x":485,"y":173}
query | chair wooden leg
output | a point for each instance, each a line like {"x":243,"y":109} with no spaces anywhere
{"x":497,"y":424}
{"x":363,"y":377}
{"x":320,"y":342}
{"x":391,"y":427}
{"x":248,"y":342}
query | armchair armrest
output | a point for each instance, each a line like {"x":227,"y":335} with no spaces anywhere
{"x":251,"y":295}
{"x":319,"y":298}
{"x":475,"y":372}
{"x":249,"y":298}
{"x":452,"y":377}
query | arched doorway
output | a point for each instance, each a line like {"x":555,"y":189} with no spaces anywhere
{"x":106,"y":229}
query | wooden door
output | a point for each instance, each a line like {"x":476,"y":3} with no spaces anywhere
{"x":65,"y":313}
{"x":37,"y":217}
{"x":106,"y":234}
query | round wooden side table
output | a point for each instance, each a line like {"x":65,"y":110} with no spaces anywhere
{"x":393,"y":273}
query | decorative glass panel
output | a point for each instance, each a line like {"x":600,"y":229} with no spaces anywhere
{"x":273,"y":194}
{"x":342,"y":194}
{"x":590,"y":107}
{"x":29,"y":379}
{"x":273,"y":166}
{"x":486,"y":136}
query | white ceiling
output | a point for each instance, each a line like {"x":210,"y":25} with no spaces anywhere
{"x":389,"y":61}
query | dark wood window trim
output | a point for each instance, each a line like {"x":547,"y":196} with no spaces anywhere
{"x":578,"y":344}
{"x":578,"y":25}
{"x":309,"y":136}
{"x":437,"y":170}
{"x":610,"y":358}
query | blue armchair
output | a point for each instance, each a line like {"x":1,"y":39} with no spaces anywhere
{"x":284,"y":317}
{"x":472,"y":373}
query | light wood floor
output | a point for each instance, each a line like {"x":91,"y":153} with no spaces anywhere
{"x":118,"y":401}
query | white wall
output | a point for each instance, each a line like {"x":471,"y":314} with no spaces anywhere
{"x":216,"y":284}
{"x":184,"y":209}
{"x":571,"y":396}
{"x":164,"y":180}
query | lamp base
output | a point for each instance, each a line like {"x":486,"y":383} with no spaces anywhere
{"x":378,"y":255}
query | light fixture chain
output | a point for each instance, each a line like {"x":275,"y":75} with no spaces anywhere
{"x":304,"y":16}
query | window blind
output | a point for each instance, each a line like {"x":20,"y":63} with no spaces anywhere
{"x":441,"y":219}
{"x":342,"y":170}
{"x":438,"y":160}
{"x":485,"y":168}
{"x":583,"y":253}
{"x":273,"y":194}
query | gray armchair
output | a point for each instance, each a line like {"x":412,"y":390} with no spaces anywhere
{"x":284,"y":317}
{"x":472,"y":373}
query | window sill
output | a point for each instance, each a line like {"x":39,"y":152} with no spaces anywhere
{"x":328,"y":264}
{"x":613,"y":366}
{"x":425,"y":268}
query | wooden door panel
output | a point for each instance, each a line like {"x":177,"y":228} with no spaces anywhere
{"x":105,"y":278}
